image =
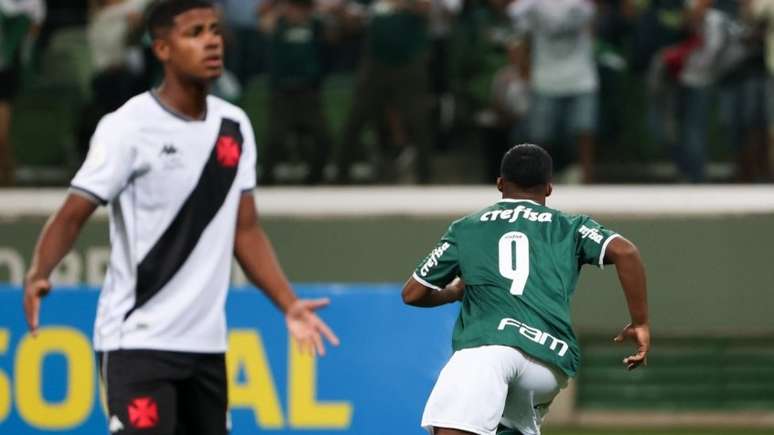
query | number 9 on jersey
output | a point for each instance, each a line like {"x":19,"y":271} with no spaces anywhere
{"x":513,"y":260}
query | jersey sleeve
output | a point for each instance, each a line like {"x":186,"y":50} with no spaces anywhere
{"x":108,"y":165}
{"x":591,"y":242}
{"x":441,"y":266}
{"x":246,"y":173}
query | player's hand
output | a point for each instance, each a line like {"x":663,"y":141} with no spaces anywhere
{"x":308,"y":329}
{"x":640,"y":334}
{"x":34,"y":290}
{"x":456,"y":289}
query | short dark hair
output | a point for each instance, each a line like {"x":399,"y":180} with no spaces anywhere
{"x":161,"y":15}
{"x":527,"y":165}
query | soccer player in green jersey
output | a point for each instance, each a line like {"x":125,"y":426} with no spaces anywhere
{"x":514,"y":265}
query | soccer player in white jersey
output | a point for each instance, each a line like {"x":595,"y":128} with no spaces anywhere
{"x":176,"y":169}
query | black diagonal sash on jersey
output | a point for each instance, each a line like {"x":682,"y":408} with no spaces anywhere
{"x":172,"y":249}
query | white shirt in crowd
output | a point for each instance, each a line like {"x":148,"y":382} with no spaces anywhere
{"x":34,"y":9}
{"x":173,"y":187}
{"x":563,"y":44}
{"x":700,"y":68}
{"x":108,"y":31}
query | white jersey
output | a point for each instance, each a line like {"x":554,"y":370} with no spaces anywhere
{"x":173,"y":187}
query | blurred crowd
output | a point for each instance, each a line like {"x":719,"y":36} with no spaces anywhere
{"x":434,"y":76}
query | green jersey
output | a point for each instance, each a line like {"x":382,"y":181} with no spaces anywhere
{"x":296,"y":52}
{"x":395,"y":37}
{"x":520,"y":262}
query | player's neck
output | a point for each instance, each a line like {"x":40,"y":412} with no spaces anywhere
{"x":188,"y":99}
{"x":540,"y":199}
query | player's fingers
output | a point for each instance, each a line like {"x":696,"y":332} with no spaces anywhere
{"x":31,"y":310}
{"x":327,"y":332}
{"x":633,"y":361}
{"x":300,"y":336}
{"x":316,"y":304}
{"x":640,"y":355}
{"x":633,"y":365}
{"x":318,"y":344}
{"x":303,"y":345}
{"x":619,"y":338}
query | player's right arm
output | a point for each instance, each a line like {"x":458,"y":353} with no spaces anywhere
{"x":104,"y":173}
{"x":631,"y":273}
{"x":56,"y":240}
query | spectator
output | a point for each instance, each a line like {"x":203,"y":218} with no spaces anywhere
{"x":296,"y":63}
{"x":696,"y":80}
{"x":392,"y":82}
{"x":761,"y":12}
{"x":20,"y":21}
{"x":246,"y":44}
{"x":614,"y":31}
{"x":490,"y":80}
{"x":442,"y":19}
{"x":659,"y":25}
{"x":743,"y":95}
{"x":662,"y":41}
{"x":64,"y":61}
{"x":114,"y":34}
{"x":564,"y":76}
{"x":510,"y":103}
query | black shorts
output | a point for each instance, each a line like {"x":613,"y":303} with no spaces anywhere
{"x":154,"y":392}
{"x":9,"y":83}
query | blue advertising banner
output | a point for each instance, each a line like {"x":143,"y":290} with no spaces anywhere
{"x":375,"y":383}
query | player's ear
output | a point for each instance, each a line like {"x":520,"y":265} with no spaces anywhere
{"x":500,"y":184}
{"x":549,"y":189}
{"x":161,"y":49}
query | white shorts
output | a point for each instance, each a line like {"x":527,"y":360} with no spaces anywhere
{"x":482,"y":387}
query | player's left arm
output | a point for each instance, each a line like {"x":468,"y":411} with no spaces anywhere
{"x":631,"y":273}
{"x":419,"y":295}
{"x":436,"y":280}
{"x":255,"y":253}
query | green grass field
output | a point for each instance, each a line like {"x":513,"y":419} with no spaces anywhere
{"x":608,"y":431}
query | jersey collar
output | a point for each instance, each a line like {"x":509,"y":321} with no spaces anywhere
{"x":174,"y":113}
{"x":518,"y":200}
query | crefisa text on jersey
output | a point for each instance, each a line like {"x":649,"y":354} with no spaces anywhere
{"x":433,"y":260}
{"x":591,"y":233}
{"x":535,"y":335}
{"x":511,"y":215}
